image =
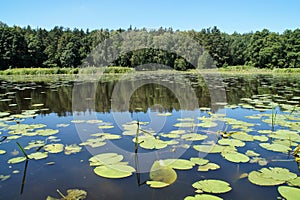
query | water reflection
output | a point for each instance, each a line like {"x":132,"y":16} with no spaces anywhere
{"x":57,"y":96}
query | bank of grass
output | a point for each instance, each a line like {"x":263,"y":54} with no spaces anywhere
{"x":254,"y":70}
{"x":57,"y":70}
{"x":39,"y":71}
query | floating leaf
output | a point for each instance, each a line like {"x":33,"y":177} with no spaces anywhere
{"x":184,"y":125}
{"x":106,"y":126}
{"x":261,"y":138}
{"x":47,"y":132}
{"x":150,"y":142}
{"x":77,"y":121}
{"x":4,"y":177}
{"x":208,"y":166}
{"x":157,"y":184}
{"x":242,"y":136}
{"x":289,"y":193}
{"x":214,"y":148}
{"x":212,"y":186}
{"x":105,"y":159}
{"x":114,"y":171}
{"x":35,"y":144}
{"x":16,"y":160}
{"x":37,"y":105}
{"x":236,"y":157}
{"x":294,"y":182}
{"x":54,"y":148}
{"x":193,"y":137}
{"x":94,"y":121}
{"x":73,"y":148}
{"x":252,"y":153}
{"x":62,"y":125}
{"x":107,"y":136}
{"x":231,"y":142}
{"x":199,"y":161}
{"x":73,"y":194}
{"x":3,"y":114}
{"x":178,"y":163}
{"x":94,"y":143}
{"x":2,"y":151}
{"x":275,"y":147}
{"x":202,"y":197}
{"x":38,"y":155}
{"x":271,"y":176}
{"x":207,"y":124}
{"x":162,"y":173}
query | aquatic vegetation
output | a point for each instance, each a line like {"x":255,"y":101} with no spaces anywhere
{"x":212,"y":186}
{"x":289,"y":193}
{"x":72,"y":194}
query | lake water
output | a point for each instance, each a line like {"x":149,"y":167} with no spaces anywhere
{"x":207,"y":105}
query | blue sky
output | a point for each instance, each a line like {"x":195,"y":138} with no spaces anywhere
{"x":228,"y":15}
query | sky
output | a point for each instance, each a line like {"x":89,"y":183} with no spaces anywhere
{"x":242,"y":16}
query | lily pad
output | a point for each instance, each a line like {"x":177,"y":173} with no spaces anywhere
{"x":193,"y":137}
{"x":242,"y":136}
{"x":35,"y":144}
{"x":106,"y":126}
{"x":236,"y":157}
{"x":162,"y":173}
{"x":107,"y":136}
{"x":252,"y":153}
{"x":271,"y":176}
{"x":54,"y":148}
{"x":38,"y":155}
{"x":47,"y":132}
{"x":178,"y":163}
{"x":4,"y":177}
{"x":275,"y":147}
{"x":157,"y":184}
{"x":2,"y":151}
{"x":289,"y":193}
{"x":208,"y":166}
{"x":150,"y":142}
{"x":16,"y":160}
{"x":105,"y":159}
{"x":212,"y":186}
{"x":73,"y":194}
{"x":114,"y":171}
{"x":202,"y":197}
{"x":261,"y":138}
{"x":214,"y":148}
{"x":294,"y":182}
{"x":94,"y":142}
{"x":184,"y":125}
{"x":73,"y":148}
{"x":231,"y":142}
{"x":199,"y":161}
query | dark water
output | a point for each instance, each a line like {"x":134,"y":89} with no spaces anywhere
{"x":121,"y":99}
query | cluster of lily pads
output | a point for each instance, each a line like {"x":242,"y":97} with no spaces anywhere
{"x":281,"y":137}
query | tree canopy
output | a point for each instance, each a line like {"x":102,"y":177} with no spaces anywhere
{"x":62,"y":47}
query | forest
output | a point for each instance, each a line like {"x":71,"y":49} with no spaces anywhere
{"x":27,"y":47}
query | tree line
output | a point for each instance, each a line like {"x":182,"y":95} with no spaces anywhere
{"x":62,"y":47}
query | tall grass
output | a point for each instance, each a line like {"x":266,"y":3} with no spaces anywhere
{"x":39,"y":71}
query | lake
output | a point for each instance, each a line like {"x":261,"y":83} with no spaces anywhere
{"x":118,"y":136}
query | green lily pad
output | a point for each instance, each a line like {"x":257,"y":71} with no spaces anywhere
{"x":94,"y":121}
{"x":4,"y":177}
{"x":178,"y":163}
{"x":184,"y":125}
{"x":35,"y":144}
{"x":105,"y":159}
{"x":193,"y":137}
{"x":2,"y":151}
{"x":47,"y":132}
{"x":73,"y":194}
{"x":77,"y":121}
{"x":114,"y":171}
{"x":107,"y":136}
{"x":236,"y":157}
{"x":187,"y":119}
{"x":214,"y":148}
{"x":94,"y":142}
{"x":54,"y":148}
{"x":261,"y":138}
{"x":212,"y":186}
{"x":208,"y":166}
{"x":242,"y":136}
{"x":38,"y":155}
{"x":289,"y":193}
{"x":275,"y":147}
{"x":199,"y":161}
{"x":162,"y":173}
{"x":106,"y":126}
{"x":62,"y":125}
{"x":202,"y":197}
{"x":252,"y":153}
{"x":73,"y":148}
{"x":294,"y":182}
{"x":37,"y":105}
{"x":231,"y":142}
{"x":207,"y":124}
{"x":16,"y":160}
{"x":150,"y":142}
{"x":271,"y":176}
{"x":157,"y":184}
